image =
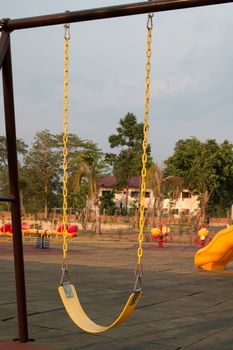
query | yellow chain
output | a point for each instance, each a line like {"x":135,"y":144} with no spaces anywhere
{"x":144,"y":145}
{"x":145,"y":142}
{"x":65,"y":141}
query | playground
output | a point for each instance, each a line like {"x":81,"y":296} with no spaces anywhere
{"x":187,"y":291}
{"x":181,"y":308}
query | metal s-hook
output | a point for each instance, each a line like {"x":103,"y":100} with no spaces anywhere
{"x":67,"y":29}
{"x":65,"y":268}
{"x":150,"y":20}
{"x":138,"y":281}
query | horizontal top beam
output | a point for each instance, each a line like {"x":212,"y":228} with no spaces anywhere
{"x":103,"y":13}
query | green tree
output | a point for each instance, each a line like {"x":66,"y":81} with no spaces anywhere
{"x":207,"y":170}
{"x":163,"y":186}
{"x":220,"y":201}
{"x":86,"y":166}
{"x":107,"y":203}
{"x":86,"y":175}
{"x":4,"y":177}
{"x":42,"y":172}
{"x":127,"y":162}
{"x":21,"y":150}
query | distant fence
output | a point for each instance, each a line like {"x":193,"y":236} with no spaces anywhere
{"x":219,"y":221}
{"x":119,"y":219}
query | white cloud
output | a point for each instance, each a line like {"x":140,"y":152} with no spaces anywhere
{"x":175,"y":84}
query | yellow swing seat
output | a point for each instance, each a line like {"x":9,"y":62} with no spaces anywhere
{"x":75,"y":311}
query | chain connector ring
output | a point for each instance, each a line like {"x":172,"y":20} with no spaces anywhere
{"x":65,"y":273}
{"x":139,"y":270}
{"x":65,"y":265}
{"x":138,"y":274}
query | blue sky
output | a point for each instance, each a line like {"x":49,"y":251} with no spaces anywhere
{"x":191,"y":73}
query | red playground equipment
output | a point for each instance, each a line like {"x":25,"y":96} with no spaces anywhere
{"x":160,"y":234}
{"x":202,"y":238}
{"x":6,"y":230}
{"x":71,"y":229}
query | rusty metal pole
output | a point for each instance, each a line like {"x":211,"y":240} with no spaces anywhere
{"x":105,"y":12}
{"x":4,"y":44}
{"x":14,"y":192}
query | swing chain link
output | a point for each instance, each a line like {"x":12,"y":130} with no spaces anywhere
{"x":144,"y":155}
{"x":144,"y":145}
{"x":65,"y":147}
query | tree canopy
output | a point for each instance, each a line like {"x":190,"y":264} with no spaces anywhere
{"x":207,"y":170}
{"x":40,"y":171}
{"x":128,"y":140}
{"x":4,"y":182}
{"x":203,"y":167}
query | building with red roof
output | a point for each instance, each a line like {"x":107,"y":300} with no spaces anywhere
{"x":185,"y":204}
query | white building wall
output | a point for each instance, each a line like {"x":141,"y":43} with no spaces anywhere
{"x":188,"y":205}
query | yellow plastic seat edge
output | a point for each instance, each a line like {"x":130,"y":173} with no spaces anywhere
{"x":79,"y":317}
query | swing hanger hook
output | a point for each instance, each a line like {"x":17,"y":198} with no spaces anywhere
{"x":150,"y":20}
{"x":67,"y":29}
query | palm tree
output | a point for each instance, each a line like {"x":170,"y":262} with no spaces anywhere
{"x":88,"y":173}
{"x":162,"y":186}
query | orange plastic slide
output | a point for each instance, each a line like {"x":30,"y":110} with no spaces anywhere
{"x":217,"y":254}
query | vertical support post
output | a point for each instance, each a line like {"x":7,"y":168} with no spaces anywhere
{"x":14,"y":191}
{"x":4,"y":43}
